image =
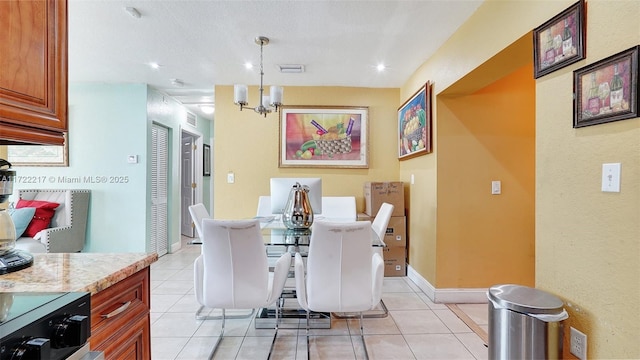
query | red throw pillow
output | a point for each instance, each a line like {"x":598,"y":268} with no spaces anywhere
{"x":42,"y":218}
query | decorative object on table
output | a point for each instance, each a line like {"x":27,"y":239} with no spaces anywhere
{"x":298,"y":213}
{"x":206,"y":160}
{"x":414,"y":124}
{"x":267,"y":103}
{"x":39,"y":155}
{"x":324,"y":136}
{"x":559,"y":41}
{"x":11,"y":259}
{"x":607,"y":90}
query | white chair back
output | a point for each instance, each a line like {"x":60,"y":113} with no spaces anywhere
{"x":198,"y":212}
{"x":339,"y":208}
{"x":381,"y":221}
{"x":341,"y":276}
{"x":264,"y":206}
{"x":234,"y":257}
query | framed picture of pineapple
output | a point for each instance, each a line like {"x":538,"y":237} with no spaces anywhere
{"x":324,"y":136}
{"x":414,"y":124}
{"x":607,"y":90}
{"x":560,"y":41}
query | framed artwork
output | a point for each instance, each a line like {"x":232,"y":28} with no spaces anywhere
{"x":206,"y":160}
{"x":607,"y":90}
{"x":324,"y":136}
{"x":560,"y":41}
{"x":414,"y":124}
{"x":39,"y":155}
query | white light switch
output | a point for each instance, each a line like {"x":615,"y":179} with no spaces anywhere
{"x":496,"y":187}
{"x":132,"y":159}
{"x":231,"y":178}
{"x":611,"y":177}
{"x":413,"y":179}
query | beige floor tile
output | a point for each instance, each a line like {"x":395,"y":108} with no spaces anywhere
{"x":404,"y":301}
{"x":438,"y":347}
{"x":452,"y":321}
{"x":331,"y":347}
{"x":253,"y":348}
{"x":419,"y":322}
{"x":233,"y":327}
{"x":167,"y":348}
{"x":374,"y":326}
{"x":387,"y":347}
{"x":162,"y":302}
{"x":199,"y":348}
{"x":474,"y":344}
{"x":175,"y":325}
{"x":479,"y":313}
{"x":431,"y":304}
{"x":390,"y":285}
{"x":172,"y":287}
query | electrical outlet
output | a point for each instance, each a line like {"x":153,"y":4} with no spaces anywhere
{"x":578,"y":344}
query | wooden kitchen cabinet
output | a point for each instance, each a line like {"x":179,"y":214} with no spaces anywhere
{"x":33,"y":71}
{"x":120,"y":319}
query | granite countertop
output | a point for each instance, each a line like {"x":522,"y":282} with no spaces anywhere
{"x":71,"y":272}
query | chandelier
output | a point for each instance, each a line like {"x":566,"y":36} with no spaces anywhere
{"x":267,"y":103}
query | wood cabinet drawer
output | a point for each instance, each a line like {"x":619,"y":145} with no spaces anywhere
{"x":120,"y":315}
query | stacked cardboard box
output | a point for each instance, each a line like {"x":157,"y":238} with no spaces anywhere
{"x":395,"y":254}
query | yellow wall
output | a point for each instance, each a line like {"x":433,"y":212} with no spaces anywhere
{"x":484,"y":239}
{"x":247,"y":144}
{"x":587,"y":242}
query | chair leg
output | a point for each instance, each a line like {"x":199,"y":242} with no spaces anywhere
{"x":199,"y":315}
{"x":308,"y":348}
{"x":273,"y":342}
{"x":215,"y":346}
{"x":364,"y":344}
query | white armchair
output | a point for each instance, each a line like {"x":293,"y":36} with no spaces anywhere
{"x":233,"y":273}
{"x":342,"y":274}
{"x":68,"y":229}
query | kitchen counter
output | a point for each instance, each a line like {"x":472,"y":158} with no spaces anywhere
{"x":66,"y":272}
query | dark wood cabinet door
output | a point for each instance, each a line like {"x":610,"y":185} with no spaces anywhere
{"x":33,"y":70}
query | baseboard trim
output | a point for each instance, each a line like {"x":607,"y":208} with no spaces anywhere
{"x":449,"y":295}
{"x":176,"y":246}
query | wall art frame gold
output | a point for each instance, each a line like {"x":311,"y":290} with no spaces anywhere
{"x":324,"y":136}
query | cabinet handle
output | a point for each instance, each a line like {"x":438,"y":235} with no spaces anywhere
{"x":117,"y":311}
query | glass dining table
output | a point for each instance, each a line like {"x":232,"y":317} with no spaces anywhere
{"x":278,"y":240}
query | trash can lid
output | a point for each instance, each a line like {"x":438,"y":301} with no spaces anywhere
{"x":524,"y":299}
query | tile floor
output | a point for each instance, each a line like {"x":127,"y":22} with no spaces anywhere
{"x":416,"y":328}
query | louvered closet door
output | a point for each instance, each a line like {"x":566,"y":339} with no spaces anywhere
{"x":159,"y":185}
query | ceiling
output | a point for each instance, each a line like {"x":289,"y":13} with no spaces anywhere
{"x":204,"y":43}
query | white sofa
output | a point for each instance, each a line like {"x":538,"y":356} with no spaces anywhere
{"x":68,"y":227}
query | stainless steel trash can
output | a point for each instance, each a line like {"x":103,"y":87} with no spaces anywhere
{"x":524,"y":323}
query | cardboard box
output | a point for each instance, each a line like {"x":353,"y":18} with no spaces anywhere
{"x":395,"y":261}
{"x":396,"y":234}
{"x":376,"y":193}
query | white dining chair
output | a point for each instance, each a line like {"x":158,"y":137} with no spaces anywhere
{"x":233,"y":273}
{"x":381,"y":220}
{"x":198,"y":212}
{"x":264,"y":206}
{"x":342,"y":274}
{"x":338,"y":209}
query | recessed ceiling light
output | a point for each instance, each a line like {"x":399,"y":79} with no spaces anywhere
{"x":248,"y":65}
{"x":381,"y":67}
{"x":154,"y":65}
{"x":207,"y":109}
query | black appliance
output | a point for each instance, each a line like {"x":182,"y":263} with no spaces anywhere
{"x":43,"y":326}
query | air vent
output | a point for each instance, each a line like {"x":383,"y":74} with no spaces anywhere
{"x":191,"y":119}
{"x":291,"y":68}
